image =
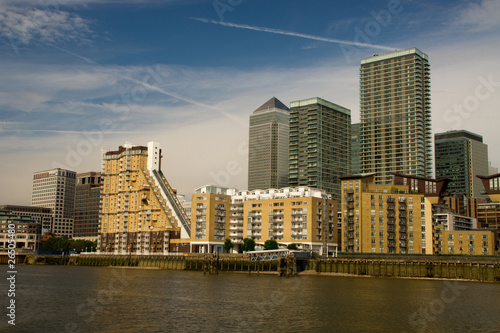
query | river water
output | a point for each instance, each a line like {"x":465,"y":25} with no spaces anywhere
{"x":95,"y":299}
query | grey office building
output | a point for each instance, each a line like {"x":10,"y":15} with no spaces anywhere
{"x":460,"y":156}
{"x":268,"y":146}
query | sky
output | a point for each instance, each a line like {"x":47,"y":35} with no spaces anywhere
{"x":79,"y":75}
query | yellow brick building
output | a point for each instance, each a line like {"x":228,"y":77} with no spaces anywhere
{"x":305,"y":221}
{"x":380,"y":218}
{"x":210,"y":211}
{"x":299,"y":215}
{"x":471,"y":242}
{"x":140,"y":211}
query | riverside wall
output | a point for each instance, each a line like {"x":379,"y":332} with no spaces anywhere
{"x":480,"y":269}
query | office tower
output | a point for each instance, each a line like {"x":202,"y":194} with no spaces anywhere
{"x":355,"y":149}
{"x":140,"y":211}
{"x":55,"y":189}
{"x":395,"y":115}
{"x":460,"y":156}
{"x":268,"y":146}
{"x":87,"y":205}
{"x":320,"y":144}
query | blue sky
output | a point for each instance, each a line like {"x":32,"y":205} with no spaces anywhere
{"x":78,"y":75}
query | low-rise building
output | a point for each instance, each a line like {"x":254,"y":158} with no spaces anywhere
{"x":27,"y":232}
{"x":40,"y":214}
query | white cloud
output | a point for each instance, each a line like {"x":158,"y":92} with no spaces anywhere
{"x":482,"y":15}
{"x":26,"y":25}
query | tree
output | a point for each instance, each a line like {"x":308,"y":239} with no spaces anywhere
{"x":271,"y":244}
{"x":248,"y":245}
{"x":292,"y":246}
{"x":228,"y":245}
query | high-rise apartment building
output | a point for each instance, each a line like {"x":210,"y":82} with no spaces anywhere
{"x":55,"y":189}
{"x":140,"y":211}
{"x":460,"y":156}
{"x":395,"y":115}
{"x":268,"y":146}
{"x":355,"y":149}
{"x":320,"y":144}
{"x":87,"y":205}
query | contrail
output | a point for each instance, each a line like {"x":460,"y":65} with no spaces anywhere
{"x":296,"y":34}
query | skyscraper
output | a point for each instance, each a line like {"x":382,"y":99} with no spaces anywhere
{"x":55,"y":189}
{"x":460,"y":156}
{"x":268,"y":146}
{"x":87,"y":205}
{"x":395,"y":114}
{"x":320,"y":144}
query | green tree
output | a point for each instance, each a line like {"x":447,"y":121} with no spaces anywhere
{"x":248,"y":245}
{"x":228,"y":245}
{"x":292,"y":246}
{"x":271,"y":244}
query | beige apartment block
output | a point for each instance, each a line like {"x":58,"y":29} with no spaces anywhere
{"x":210,"y":211}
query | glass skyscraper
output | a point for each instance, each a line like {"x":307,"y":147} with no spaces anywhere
{"x":320,"y":144}
{"x":460,"y":156}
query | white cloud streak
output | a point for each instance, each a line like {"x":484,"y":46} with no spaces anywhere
{"x":295,"y":34}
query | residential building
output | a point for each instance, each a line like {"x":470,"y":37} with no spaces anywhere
{"x":27,"y":232}
{"x":395,"y":131}
{"x":304,"y":216}
{"x":320,"y":144}
{"x":87,"y":206}
{"x":268,"y":146}
{"x":488,"y":213}
{"x":55,"y":189}
{"x":301,"y":215}
{"x":355,"y":149}
{"x":471,"y":242}
{"x":210,"y":221}
{"x":380,"y":218}
{"x":460,"y":156}
{"x":140,"y":210}
{"x":42,"y":215}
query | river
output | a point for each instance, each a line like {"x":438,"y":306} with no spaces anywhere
{"x":96,"y":299}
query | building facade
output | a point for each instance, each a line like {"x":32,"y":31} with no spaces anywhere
{"x":471,"y":242}
{"x":41,"y":215}
{"x":87,"y":205}
{"x":395,"y":114}
{"x":320,"y":144}
{"x":304,"y":216}
{"x":460,"y":156}
{"x":55,"y":189}
{"x":355,"y":149}
{"x":140,"y":211}
{"x":27,"y":232}
{"x":268,"y":146}
{"x":210,"y":207}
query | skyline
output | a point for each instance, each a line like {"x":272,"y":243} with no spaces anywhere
{"x":86,"y":74}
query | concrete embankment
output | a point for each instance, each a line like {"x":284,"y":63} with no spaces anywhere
{"x":440,"y":268}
